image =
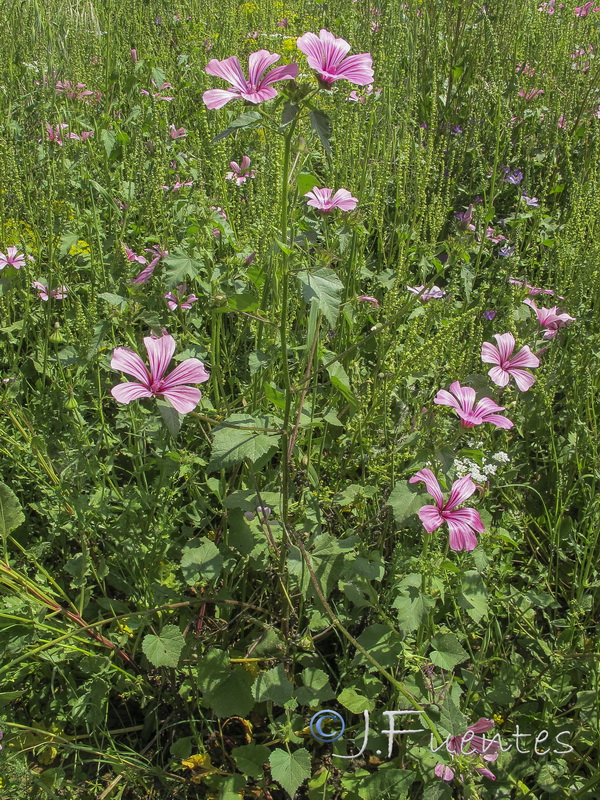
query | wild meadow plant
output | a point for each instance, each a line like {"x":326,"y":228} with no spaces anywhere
{"x":338,"y":219}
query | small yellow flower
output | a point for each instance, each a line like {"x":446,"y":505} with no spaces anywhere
{"x":80,"y":247}
{"x":498,"y":719}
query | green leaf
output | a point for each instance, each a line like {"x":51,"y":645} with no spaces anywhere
{"x":67,"y":241}
{"x":170,"y":417}
{"x":474,"y":597}
{"x":404,"y":502}
{"x":114,"y":299}
{"x":321,"y":124}
{"x":180,"y":268}
{"x":448,"y":651}
{"x":249,"y":759}
{"x":245,"y":437}
{"x":386,"y":783}
{"x":224,"y":689}
{"x":245,"y":120}
{"x":325,"y":288}
{"x":289,"y":113}
{"x":290,"y":770}
{"x":164,"y":650}
{"x":305,"y":182}
{"x":316,"y":687}
{"x":11,"y":513}
{"x":109,"y":139}
{"x":340,"y":380}
{"x":411,"y":604}
{"x":273,"y":685}
{"x":452,"y":719}
{"x":354,"y":701}
{"x":201,"y":561}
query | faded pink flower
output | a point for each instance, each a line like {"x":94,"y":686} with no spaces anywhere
{"x":55,"y":134}
{"x":57,"y":294}
{"x":152,"y":383}
{"x":131,"y":256}
{"x":461,"y":522}
{"x":583,"y":11}
{"x":366,"y":298}
{"x":157,"y":95}
{"x":85,"y":135}
{"x":533,"y":290}
{"x":446,"y":773}
{"x":177,"y":133}
{"x":508,"y":365}
{"x":157,"y":254}
{"x":531,"y":94}
{"x":322,"y":200}
{"x":12,"y":258}
{"x":429,"y":294}
{"x":240,"y":174}
{"x":462,"y":400}
{"x":134,"y":56}
{"x":360,"y":98}
{"x":549,"y":318}
{"x":178,"y":300}
{"x":257,"y":89}
{"x":327,"y":55}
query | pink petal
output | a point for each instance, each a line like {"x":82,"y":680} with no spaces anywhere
{"x":499,"y":376}
{"x":356,"y":69}
{"x":499,"y":422}
{"x":130,"y":363}
{"x":160,"y":352}
{"x":217,"y":98}
{"x":444,"y":772}
{"x":322,"y":50}
{"x":524,"y":358}
{"x":285,"y":72}
{"x":126,"y":392}
{"x":431,"y":484}
{"x":261,"y":95}
{"x":486,"y":406}
{"x":245,"y":163}
{"x":483,"y":725}
{"x":258,"y":63}
{"x":189,"y":371}
{"x":523,"y":379}
{"x":444,"y":398}
{"x":431,"y":518}
{"x":461,"y":490}
{"x":486,"y":773}
{"x":466,"y":516}
{"x":461,"y":536}
{"x":465,"y":395}
{"x":506,"y":345}
{"x":230,"y":70}
{"x":183,"y":398}
{"x":344,"y":200}
{"x":490,"y":353}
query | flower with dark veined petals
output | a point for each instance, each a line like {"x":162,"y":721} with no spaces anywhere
{"x":488,"y":751}
{"x":429,"y":294}
{"x":257,"y":89}
{"x":489,"y":315}
{"x":177,"y":133}
{"x":509,"y":366}
{"x":322,"y":200}
{"x":152,"y":383}
{"x":464,"y":217}
{"x":327,"y":55}
{"x":549,"y":318}
{"x":12,"y":258}
{"x":462,"y":400}
{"x":506,"y":252}
{"x":157,"y":254}
{"x":240,"y":174}
{"x":461,"y":522}
{"x":57,"y":294}
{"x":178,"y":300}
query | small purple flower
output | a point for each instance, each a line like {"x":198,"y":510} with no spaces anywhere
{"x":456,"y":129}
{"x":514,"y":177}
{"x":507,"y":251}
{"x":490,"y":315}
{"x":464,"y":217}
{"x":530,"y":201}
{"x":178,"y":300}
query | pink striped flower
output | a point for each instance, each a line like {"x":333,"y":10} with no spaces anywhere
{"x":462,"y":522}
{"x":366,"y":298}
{"x":257,"y":89}
{"x":508,"y":365}
{"x":44,"y":294}
{"x":85,"y":135}
{"x":178,"y":300}
{"x":583,"y":11}
{"x":55,"y":134}
{"x":549,"y":318}
{"x":533,"y":290}
{"x":462,"y":400}
{"x":131,"y":256}
{"x":327,"y":55}
{"x":12,"y":258}
{"x":322,"y":200}
{"x":240,"y":174}
{"x":152,"y":383}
